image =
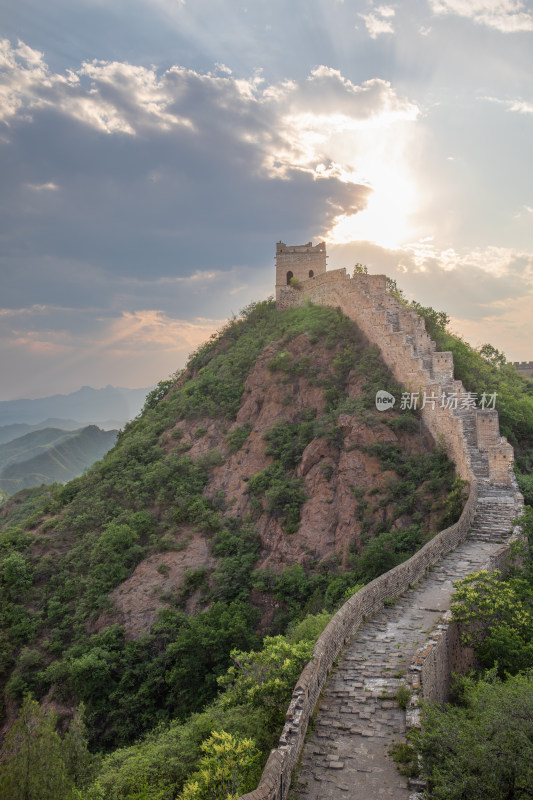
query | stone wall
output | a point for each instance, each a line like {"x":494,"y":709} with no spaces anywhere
{"x":525,"y":368}
{"x":471,"y":436}
{"x":443,"y":654}
{"x":275,"y":781}
{"x":473,"y":442}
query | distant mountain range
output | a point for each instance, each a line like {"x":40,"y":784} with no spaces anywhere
{"x":18,"y":429}
{"x":50,"y":455}
{"x":55,"y":438}
{"x":87,"y":406}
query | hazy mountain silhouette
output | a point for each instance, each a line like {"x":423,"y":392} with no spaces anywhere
{"x":87,"y":406}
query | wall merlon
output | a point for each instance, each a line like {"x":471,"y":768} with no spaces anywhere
{"x":501,"y":459}
{"x":488,"y":428}
{"x":443,"y":366}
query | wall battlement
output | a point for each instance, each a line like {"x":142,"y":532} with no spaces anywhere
{"x":525,"y":368}
{"x":482,"y":457}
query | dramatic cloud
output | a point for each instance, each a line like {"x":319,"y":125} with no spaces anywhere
{"x":153,"y":151}
{"x":506,"y":16}
{"x":160,"y":156}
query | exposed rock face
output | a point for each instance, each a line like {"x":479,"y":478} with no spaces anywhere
{"x":142,"y":595}
{"x":331,"y":470}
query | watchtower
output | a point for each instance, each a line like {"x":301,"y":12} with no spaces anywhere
{"x":300,"y":261}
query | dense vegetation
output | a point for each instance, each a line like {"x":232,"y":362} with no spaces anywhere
{"x":161,"y":698}
{"x":480,"y":747}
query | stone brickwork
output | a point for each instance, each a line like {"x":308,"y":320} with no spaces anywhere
{"x":442,"y":653}
{"x":525,"y":368}
{"x":471,"y":436}
{"x":303,"y":261}
{"x":484,"y":459}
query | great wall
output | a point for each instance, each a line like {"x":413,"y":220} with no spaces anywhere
{"x":396,"y":629}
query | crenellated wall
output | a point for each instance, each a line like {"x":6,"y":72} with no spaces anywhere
{"x":471,"y":435}
{"x":525,"y":368}
{"x":482,"y":457}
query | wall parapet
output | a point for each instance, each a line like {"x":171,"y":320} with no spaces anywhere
{"x":525,"y":368}
{"x":275,"y":781}
{"x":443,"y":648}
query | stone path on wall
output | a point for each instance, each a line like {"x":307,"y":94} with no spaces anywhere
{"x":358,"y":719}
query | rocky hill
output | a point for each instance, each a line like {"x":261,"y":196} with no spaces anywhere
{"x":260,"y":485}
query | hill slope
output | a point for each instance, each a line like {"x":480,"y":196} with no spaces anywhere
{"x":18,"y":429}
{"x":51,"y":455}
{"x":261,"y":485}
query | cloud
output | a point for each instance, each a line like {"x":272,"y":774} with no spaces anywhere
{"x":506,"y":16}
{"x":125,"y":348}
{"x":487,"y":292}
{"x":152,"y":159}
{"x":379,"y":22}
{"x":43,"y":187}
{"x":518,"y":105}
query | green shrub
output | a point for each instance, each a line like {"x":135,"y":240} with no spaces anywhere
{"x":237,"y":436}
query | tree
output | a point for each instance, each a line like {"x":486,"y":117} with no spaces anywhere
{"x":17,"y":575}
{"x":492,"y":356}
{"x":265,"y":679}
{"x":226,"y":769}
{"x":34,"y":767}
{"x":483,"y":750}
{"x":496,"y":619}
{"x":80,"y":764}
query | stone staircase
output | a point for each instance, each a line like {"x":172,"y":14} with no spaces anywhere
{"x":496,"y":510}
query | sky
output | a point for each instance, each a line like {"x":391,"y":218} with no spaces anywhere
{"x":152,"y":152}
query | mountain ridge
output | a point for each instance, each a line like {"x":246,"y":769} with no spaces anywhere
{"x":51,"y":455}
{"x":87,"y":405}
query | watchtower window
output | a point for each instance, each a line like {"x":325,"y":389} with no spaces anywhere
{"x":311,"y":273}
{"x":289,"y":276}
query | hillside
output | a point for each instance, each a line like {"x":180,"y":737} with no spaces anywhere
{"x":260,"y":486}
{"x":50,"y":456}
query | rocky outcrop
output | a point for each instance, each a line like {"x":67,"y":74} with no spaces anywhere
{"x":331,"y":522}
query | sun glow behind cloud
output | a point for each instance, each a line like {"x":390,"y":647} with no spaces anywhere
{"x":359,"y":135}
{"x":368,"y":144}
{"x":378,"y":158}
{"x":386,"y":219}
